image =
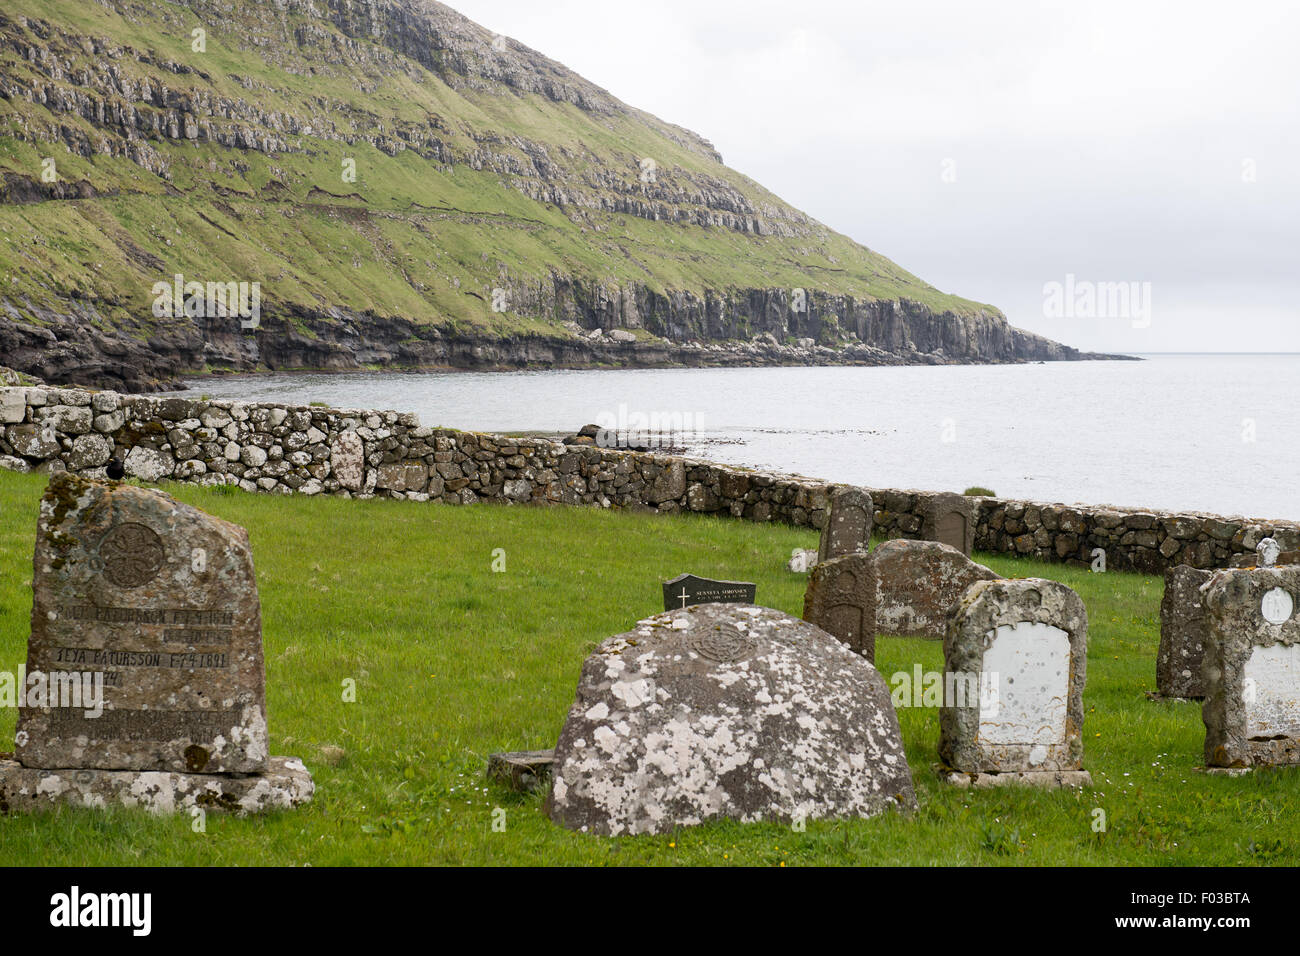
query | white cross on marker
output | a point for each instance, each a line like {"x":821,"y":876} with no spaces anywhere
{"x":683,"y":595}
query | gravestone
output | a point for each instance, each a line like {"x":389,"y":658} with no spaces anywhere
{"x":949,"y":519}
{"x":849,"y":521}
{"x":917,"y":583}
{"x":686,"y":590}
{"x":155,"y":603}
{"x":726,"y":712}
{"x":1018,"y":648}
{"x":841,"y":600}
{"x":1252,"y":668}
{"x":1268,"y":553}
{"x":802,"y":560}
{"x":1183,"y":627}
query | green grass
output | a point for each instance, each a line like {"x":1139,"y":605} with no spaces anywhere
{"x":453,"y":661}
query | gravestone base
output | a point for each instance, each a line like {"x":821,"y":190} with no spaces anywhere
{"x":1272,"y":752}
{"x":285,"y":784}
{"x":1225,"y":771}
{"x":1159,"y":698}
{"x":1043,"y":779}
{"x":523,"y":771}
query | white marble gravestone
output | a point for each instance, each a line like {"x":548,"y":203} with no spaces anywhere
{"x":1272,"y":697}
{"x":1028,"y":664}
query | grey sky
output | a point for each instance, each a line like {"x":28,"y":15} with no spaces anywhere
{"x":994,"y":148}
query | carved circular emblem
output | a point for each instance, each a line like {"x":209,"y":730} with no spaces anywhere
{"x":723,"y":644}
{"x":132,"y":555}
{"x":1277,"y":606}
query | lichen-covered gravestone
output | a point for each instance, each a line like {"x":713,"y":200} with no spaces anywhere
{"x":1183,"y":628}
{"x":848,"y":524}
{"x":917,"y":583}
{"x":155,"y":603}
{"x":1023,"y":644}
{"x":726,"y":712}
{"x":949,"y":519}
{"x":841,"y":600}
{"x":1252,"y":668}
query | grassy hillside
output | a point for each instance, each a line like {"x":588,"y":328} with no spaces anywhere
{"x":453,"y":661}
{"x":475,"y":168}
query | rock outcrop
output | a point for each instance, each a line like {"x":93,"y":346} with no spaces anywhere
{"x":441,"y":233}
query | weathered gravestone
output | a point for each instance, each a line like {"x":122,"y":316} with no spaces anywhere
{"x":848,"y":524}
{"x":155,"y":603}
{"x":1183,"y":628}
{"x":841,"y":600}
{"x":918,"y":582}
{"x":1017,"y":652}
{"x":724,"y":712}
{"x":1268,"y":553}
{"x":949,"y":519}
{"x":686,"y":590}
{"x":802,"y":560}
{"x":1252,"y":668}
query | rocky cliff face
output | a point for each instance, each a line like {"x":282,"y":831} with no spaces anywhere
{"x":405,"y":189}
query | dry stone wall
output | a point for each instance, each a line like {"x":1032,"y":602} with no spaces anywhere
{"x":310,"y":450}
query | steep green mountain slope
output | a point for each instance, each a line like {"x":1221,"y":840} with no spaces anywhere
{"x":408,"y":190}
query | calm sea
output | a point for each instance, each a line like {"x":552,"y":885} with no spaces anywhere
{"x":1216,"y":433}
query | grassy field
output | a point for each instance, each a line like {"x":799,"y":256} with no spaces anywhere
{"x":453,"y":661}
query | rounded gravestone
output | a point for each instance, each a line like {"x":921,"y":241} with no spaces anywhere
{"x":726,"y":712}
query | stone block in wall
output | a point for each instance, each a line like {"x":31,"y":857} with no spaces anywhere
{"x":89,"y":451}
{"x":669,"y":485}
{"x":69,"y":419}
{"x":148,"y":464}
{"x":13,"y":405}
{"x":33,"y":441}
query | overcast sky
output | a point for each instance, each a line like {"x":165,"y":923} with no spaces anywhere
{"x":995,"y":148}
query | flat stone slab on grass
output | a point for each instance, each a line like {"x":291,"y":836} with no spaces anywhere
{"x":284,"y":784}
{"x":726,"y":712}
{"x":521,"y":770}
